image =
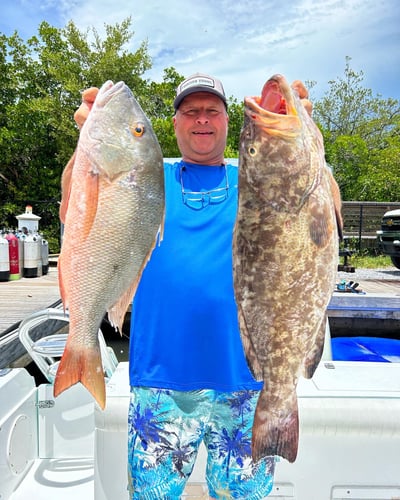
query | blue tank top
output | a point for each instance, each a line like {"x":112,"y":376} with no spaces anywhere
{"x":184,"y":327}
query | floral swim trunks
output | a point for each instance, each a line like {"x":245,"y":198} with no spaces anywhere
{"x":165,"y":430}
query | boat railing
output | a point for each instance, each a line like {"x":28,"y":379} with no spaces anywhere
{"x":46,"y":351}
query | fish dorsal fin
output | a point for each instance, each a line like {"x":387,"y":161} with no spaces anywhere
{"x":337,"y":202}
{"x":315,"y":354}
{"x":66,"y":187}
{"x":61,"y":283}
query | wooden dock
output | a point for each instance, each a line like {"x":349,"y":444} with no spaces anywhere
{"x":20,"y":298}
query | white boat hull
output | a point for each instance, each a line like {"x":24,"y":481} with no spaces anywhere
{"x":349,"y":438}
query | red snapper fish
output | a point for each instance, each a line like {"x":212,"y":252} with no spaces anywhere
{"x":285,"y":257}
{"x":113,"y":208}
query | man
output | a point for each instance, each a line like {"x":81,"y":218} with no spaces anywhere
{"x":189,"y":379}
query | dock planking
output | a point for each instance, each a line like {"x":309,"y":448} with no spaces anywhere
{"x":20,"y":298}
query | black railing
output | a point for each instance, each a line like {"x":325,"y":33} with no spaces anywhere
{"x":363,"y":218}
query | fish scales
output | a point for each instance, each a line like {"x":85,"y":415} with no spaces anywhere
{"x":285,"y":256}
{"x":114,"y":194}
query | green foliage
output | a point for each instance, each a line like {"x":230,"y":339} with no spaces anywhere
{"x":40,"y":87}
{"x":362,"y":140}
{"x":235,"y":111}
{"x":164,"y":129}
{"x":348,"y":156}
{"x":158,"y":104}
{"x":41,"y":81}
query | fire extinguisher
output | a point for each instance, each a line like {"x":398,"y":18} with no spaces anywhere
{"x":14,"y":256}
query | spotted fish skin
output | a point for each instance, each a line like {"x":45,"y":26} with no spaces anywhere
{"x":285,"y":256}
{"x":113,"y":208}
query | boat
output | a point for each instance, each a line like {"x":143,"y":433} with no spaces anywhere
{"x":69,"y":448}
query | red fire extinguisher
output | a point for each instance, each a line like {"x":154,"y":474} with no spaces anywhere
{"x":14,"y":256}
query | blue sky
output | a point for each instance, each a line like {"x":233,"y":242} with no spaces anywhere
{"x":242,"y":42}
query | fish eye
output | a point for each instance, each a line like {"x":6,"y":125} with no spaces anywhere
{"x":138,"y":130}
{"x":252,"y":151}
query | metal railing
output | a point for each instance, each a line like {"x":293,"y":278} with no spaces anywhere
{"x":363,"y":218}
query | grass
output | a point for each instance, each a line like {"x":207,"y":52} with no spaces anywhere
{"x":363,"y":261}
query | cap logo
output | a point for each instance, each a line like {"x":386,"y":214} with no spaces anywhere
{"x":199,"y":82}
{"x":193,"y":82}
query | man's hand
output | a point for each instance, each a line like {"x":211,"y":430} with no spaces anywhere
{"x":299,"y":87}
{"x":88,"y":98}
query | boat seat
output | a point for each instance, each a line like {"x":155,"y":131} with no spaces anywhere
{"x":47,"y":351}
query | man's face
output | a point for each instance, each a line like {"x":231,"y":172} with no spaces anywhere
{"x":201,"y":128}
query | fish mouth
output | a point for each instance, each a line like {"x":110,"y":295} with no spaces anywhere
{"x":275,"y":111}
{"x":108,"y":91}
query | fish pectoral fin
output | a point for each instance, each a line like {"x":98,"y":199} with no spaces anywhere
{"x":91,"y":196}
{"x":275,"y":433}
{"x":82,"y":365}
{"x":321,"y":226}
{"x":66,"y":187}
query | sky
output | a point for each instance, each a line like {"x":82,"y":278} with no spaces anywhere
{"x":242,"y":42}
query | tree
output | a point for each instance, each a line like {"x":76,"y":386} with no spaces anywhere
{"x":361,"y":134}
{"x":40,"y":88}
{"x":41,"y":82}
{"x":236,"y":112}
{"x":158,"y":105}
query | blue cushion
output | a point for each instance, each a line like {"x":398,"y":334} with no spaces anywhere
{"x":366,"y":349}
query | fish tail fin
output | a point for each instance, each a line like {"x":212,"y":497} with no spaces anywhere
{"x":275,"y":433}
{"x":84,"y":366}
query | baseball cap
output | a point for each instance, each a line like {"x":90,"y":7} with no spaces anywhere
{"x":199,"y":82}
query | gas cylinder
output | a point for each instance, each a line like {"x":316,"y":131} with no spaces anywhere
{"x":45,"y":256}
{"x":31,"y":249}
{"x":39,"y":253}
{"x":14,"y":256}
{"x":21,"y":238}
{"x":4,"y":259}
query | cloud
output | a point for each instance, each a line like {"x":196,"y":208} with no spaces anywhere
{"x":245,"y":42}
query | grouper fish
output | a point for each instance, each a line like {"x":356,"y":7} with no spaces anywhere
{"x":113,"y":209}
{"x":285,"y":256}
